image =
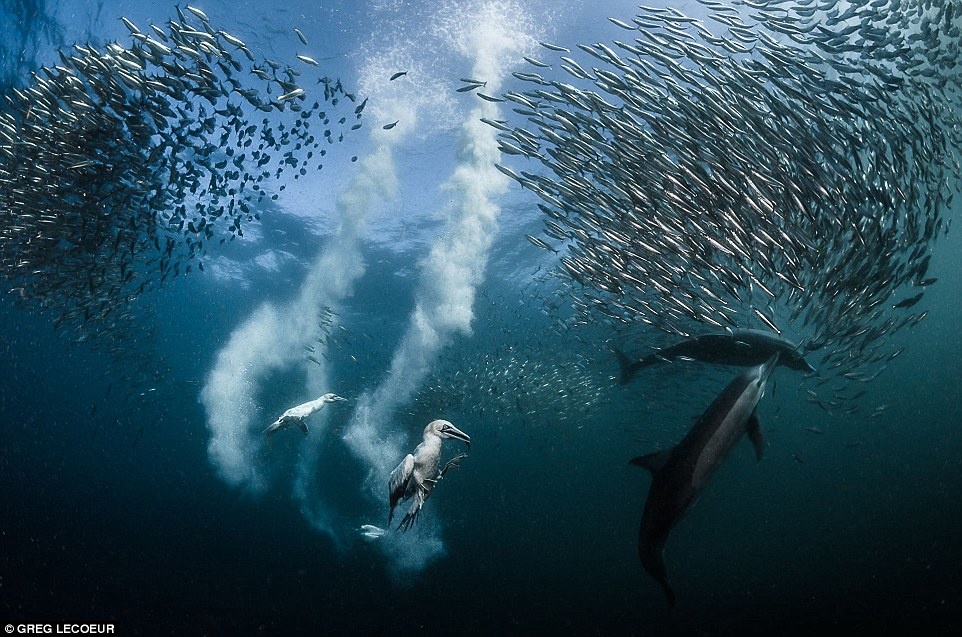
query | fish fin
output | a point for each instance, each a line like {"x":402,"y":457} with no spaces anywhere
{"x":652,"y":461}
{"x":754,"y":431}
{"x":627,"y":367}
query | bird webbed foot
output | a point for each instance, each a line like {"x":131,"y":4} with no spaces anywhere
{"x":453,"y":463}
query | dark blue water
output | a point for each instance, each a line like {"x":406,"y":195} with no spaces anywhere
{"x":126,"y":521}
{"x":111,"y":510}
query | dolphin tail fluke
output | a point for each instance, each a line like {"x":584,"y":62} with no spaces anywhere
{"x":653,"y":559}
{"x":669,"y":593}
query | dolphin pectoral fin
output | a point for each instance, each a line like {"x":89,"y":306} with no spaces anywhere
{"x":652,"y":461}
{"x":754,"y":431}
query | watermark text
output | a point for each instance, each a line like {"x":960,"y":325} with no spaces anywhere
{"x":59,"y":629}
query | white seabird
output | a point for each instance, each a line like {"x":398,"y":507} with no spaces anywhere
{"x":417,"y":474}
{"x":296,"y":415}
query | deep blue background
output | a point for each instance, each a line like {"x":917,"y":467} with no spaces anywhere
{"x":111,"y":512}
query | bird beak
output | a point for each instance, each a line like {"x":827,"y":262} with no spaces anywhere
{"x":453,"y":432}
{"x":337,"y":398}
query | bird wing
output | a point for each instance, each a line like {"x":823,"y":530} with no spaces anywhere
{"x":298,"y":412}
{"x":301,"y":424}
{"x":420,"y":495}
{"x":399,"y":481}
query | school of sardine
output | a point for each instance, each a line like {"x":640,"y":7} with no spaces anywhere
{"x":511,"y":370}
{"x":120,"y":165}
{"x":790,"y":172}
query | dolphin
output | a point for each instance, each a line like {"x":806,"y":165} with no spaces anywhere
{"x":743,"y":347}
{"x":680,"y":473}
{"x":414,"y":478}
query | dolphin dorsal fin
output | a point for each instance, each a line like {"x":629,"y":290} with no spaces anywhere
{"x":626,"y":370}
{"x":652,"y":461}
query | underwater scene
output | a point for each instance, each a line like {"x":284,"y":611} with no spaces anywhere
{"x":480,"y":317}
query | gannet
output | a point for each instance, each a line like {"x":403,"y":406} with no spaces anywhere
{"x":682,"y":472}
{"x":417,"y":474}
{"x":296,"y":415}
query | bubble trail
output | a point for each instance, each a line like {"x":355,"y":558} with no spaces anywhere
{"x":493,"y":34}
